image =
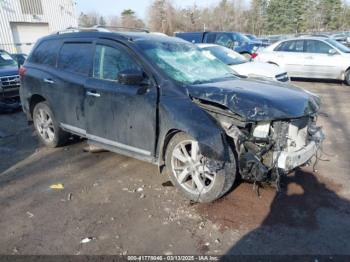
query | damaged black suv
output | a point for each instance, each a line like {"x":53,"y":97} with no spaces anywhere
{"x":159,"y":99}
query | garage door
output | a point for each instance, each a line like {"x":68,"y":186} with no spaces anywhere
{"x":26,"y":34}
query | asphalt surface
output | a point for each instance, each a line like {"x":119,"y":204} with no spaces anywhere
{"x":124,"y":206}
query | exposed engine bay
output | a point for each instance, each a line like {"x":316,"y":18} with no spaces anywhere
{"x":266,"y":150}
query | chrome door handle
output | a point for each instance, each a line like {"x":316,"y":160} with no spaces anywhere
{"x":92,"y":94}
{"x":49,"y":81}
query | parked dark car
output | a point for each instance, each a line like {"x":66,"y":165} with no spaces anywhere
{"x":20,"y":58}
{"x":263,"y":41}
{"x":160,"y":99}
{"x":233,"y":40}
{"x":9,"y":82}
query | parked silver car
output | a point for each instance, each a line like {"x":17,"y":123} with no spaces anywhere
{"x":242,"y":66}
{"x":310,"y":57}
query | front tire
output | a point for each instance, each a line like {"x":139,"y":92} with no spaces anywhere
{"x":47,"y":127}
{"x":347,"y":78}
{"x":199,"y":178}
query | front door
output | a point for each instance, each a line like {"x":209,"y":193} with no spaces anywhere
{"x":291,"y":55}
{"x":118,"y":115}
{"x":319,"y":61}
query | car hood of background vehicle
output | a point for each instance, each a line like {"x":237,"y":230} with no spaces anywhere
{"x":8,"y":70}
{"x":257,"y":69}
{"x":258,"y":100}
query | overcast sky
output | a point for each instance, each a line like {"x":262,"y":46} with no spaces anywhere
{"x":115,"y":7}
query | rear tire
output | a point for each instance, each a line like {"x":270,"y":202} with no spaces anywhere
{"x":199,"y":178}
{"x":347,"y":77}
{"x":47,"y":127}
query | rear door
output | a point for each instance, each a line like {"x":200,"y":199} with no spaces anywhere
{"x":117,"y":115}
{"x":319,"y":62}
{"x":74,"y":65}
{"x":290,"y":54}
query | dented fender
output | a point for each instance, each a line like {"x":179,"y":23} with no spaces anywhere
{"x":183,"y":115}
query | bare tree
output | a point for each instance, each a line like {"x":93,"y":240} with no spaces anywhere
{"x":129,"y":19}
{"x":88,"y":20}
{"x":113,"y":21}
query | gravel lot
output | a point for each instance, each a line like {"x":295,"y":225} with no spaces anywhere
{"x":126,"y":207}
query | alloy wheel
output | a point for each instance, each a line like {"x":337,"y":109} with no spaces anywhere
{"x":189,"y":168}
{"x":44,"y":125}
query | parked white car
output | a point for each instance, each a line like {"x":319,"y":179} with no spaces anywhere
{"x":242,"y":66}
{"x":310,"y":57}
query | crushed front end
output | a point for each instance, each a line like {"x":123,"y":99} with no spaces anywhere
{"x":267,"y":149}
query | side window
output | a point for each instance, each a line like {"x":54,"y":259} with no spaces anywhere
{"x":210,"y":37}
{"x":236,"y":38}
{"x":318,"y":47}
{"x":109,"y":61}
{"x":299,"y":46}
{"x":75,"y":58}
{"x":281,"y":47}
{"x":223,"y":39}
{"x":291,"y":46}
{"x":46,"y":53}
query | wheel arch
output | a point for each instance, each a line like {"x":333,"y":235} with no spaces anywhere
{"x":272,"y":63}
{"x":344,"y":76}
{"x":347,"y":69}
{"x":33,"y":101}
{"x":194,"y":121}
{"x":169,"y":135}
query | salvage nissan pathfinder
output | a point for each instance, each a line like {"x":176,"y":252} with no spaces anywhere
{"x":160,"y":99}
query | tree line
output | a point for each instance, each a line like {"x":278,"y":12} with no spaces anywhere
{"x":260,"y":17}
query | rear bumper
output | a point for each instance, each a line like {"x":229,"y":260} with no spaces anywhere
{"x":287,"y":161}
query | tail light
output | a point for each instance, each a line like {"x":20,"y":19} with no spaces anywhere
{"x":22,"y":71}
{"x":254,"y":55}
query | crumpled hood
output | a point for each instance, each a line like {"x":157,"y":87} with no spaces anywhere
{"x":8,"y":70}
{"x":258,"y":69}
{"x":258,"y":100}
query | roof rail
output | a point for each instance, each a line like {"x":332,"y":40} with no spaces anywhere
{"x":116,"y":28}
{"x":81,"y":29}
{"x":98,"y":28}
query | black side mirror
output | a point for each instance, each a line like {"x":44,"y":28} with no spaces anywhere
{"x":130,"y":77}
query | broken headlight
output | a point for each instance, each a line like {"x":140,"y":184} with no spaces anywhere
{"x":262,"y":130}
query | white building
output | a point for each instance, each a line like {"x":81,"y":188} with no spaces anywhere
{"x":23,"y":22}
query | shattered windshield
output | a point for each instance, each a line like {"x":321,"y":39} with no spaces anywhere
{"x":6,"y":59}
{"x":185,"y":63}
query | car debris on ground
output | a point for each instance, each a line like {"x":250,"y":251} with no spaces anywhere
{"x":57,"y":186}
{"x":86,"y":240}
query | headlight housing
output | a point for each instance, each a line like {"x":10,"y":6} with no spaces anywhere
{"x":262,"y":130}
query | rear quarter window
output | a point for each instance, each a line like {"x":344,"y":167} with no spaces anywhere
{"x":46,"y":53}
{"x":76,"y":58}
{"x":296,"y":46}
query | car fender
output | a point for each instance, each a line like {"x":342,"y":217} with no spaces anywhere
{"x":182,"y":115}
